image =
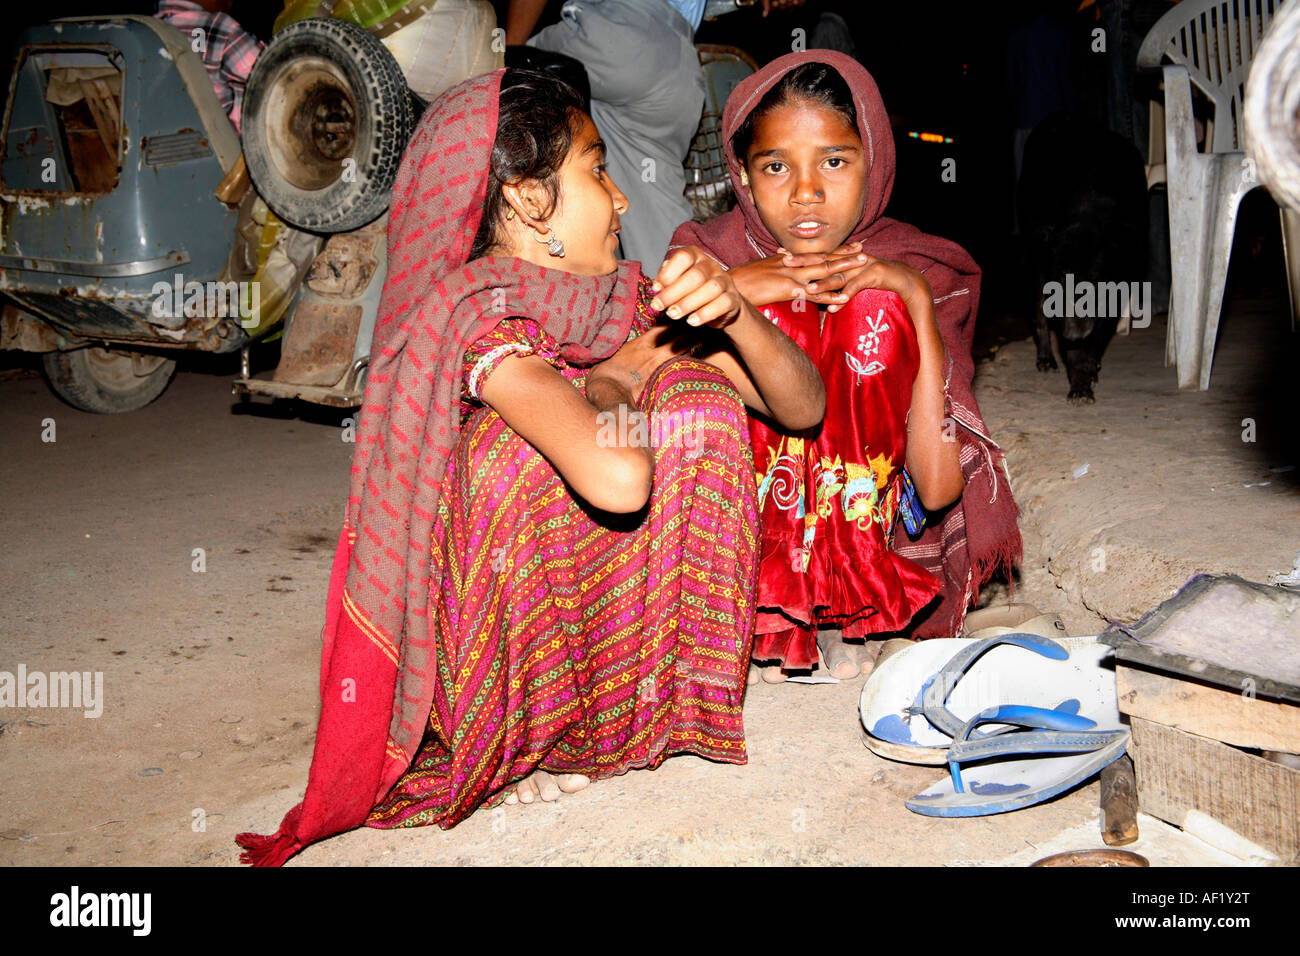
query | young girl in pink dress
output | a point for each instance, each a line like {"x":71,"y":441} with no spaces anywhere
{"x":545,"y":574}
{"x":886,"y":313}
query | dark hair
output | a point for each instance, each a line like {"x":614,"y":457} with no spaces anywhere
{"x":817,"y":82}
{"x":536,"y":122}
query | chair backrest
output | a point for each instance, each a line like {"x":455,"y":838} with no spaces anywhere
{"x":708,"y":183}
{"x":1215,"y":40}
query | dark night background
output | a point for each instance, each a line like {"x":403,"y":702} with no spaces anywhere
{"x":940,"y":66}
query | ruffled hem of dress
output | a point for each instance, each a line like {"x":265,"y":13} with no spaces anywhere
{"x":902,"y":588}
{"x":785,"y":628}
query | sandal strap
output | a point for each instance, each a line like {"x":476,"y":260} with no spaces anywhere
{"x":933,"y":696}
{"x":1057,"y":732}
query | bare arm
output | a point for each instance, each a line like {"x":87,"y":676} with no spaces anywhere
{"x":771,"y":373}
{"x":566,"y":428}
{"x":932,"y":445}
{"x":521,"y":17}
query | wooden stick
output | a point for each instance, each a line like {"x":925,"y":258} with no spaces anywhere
{"x":1119,"y":803}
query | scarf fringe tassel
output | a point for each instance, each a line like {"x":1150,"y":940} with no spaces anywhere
{"x":273,"y":849}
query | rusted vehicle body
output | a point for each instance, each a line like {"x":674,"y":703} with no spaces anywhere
{"x":114,"y":145}
{"x":137,"y":226}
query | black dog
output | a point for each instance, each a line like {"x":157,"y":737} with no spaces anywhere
{"x":1083,"y":212}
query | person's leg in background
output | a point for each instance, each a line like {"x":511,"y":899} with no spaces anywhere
{"x":1142,"y":16}
{"x":1126,"y":23}
{"x":647,"y":95}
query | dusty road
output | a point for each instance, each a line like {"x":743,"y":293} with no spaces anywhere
{"x":183,"y":551}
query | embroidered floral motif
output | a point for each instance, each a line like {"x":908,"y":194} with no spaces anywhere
{"x":784,"y":478}
{"x":868,"y":345}
{"x":867,"y":493}
{"x":865,"y":497}
{"x":860,"y":496}
{"x":828,"y":479}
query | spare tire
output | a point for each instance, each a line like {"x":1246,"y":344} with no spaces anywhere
{"x":326,"y":118}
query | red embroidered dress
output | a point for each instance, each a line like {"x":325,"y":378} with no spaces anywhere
{"x":829,"y":497}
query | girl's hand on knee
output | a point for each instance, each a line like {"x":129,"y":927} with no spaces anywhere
{"x":637,"y":359}
{"x":690,"y":285}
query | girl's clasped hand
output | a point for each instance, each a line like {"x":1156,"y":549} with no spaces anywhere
{"x":847,"y":272}
{"x":829,"y":278}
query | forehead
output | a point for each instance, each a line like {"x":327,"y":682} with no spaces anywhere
{"x":585,"y":133}
{"x":802,"y":123}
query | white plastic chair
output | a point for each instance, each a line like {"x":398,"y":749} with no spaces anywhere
{"x":1209,"y":43}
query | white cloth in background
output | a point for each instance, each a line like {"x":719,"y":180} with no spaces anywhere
{"x":447,"y":45}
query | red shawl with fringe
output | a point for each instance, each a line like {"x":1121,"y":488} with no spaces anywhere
{"x":977,"y":536}
{"x":378,"y":661}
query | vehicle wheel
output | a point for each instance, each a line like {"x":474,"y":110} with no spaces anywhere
{"x":326,"y":118}
{"x":97,"y":380}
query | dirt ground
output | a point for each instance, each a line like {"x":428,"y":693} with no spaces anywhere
{"x":210,"y":675}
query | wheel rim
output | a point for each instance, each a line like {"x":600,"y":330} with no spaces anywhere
{"x":311,"y":125}
{"x":121,"y":371}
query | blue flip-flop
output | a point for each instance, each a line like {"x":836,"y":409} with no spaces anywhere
{"x":918,"y":699}
{"x":996,"y":773}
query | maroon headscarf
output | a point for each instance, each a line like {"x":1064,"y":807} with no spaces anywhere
{"x":978,"y":535}
{"x":378,"y":664}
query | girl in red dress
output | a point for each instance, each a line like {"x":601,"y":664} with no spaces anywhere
{"x":886,"y":312}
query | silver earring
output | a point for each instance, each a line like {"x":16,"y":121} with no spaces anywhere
{"x":553,"y":244}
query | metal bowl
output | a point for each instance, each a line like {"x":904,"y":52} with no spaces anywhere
{"x":1093,"y":858}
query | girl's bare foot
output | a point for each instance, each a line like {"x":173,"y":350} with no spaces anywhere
{"x":866,"y":654}
{"x":542,"y":786}
{"x":842,"y":659}
{"x":769,"y":671}
{"x":839,"y":661}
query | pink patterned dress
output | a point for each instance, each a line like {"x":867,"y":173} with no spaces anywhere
{"x":574,"y":641}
